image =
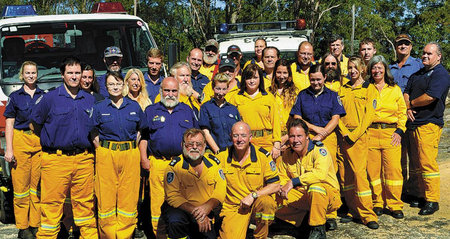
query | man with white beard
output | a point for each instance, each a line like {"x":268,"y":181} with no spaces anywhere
{"x":195,"y":187}
{"x":167,"y":120}
{"x":210,"y":59}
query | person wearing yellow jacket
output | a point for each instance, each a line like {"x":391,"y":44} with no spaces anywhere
{"x":300,"y":68}
{"x":359,"y":99}
{"x":384,"y":135}
{"x":252,"y":177}
{"x":308,"y":180}
{"x":227,"y":67}
{"x":23,"y":151}
{"x":260,"y":44}
{"x":259,"y":109}
{"x":195,"y":187}
{"x":285,"y":92}
{"x":117,"y":163}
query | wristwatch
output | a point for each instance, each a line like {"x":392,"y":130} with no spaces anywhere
{"x":254,"y":195}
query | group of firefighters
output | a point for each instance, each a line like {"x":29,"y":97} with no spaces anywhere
{"x":227,"y":146}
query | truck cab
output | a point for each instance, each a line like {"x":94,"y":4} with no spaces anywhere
{"x":284,"y":35}
{"x":48,"y":39}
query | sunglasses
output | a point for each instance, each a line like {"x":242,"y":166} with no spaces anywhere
{"x":407,"y":43}
{"x":211,"y":48}
{"x":330,"y":63}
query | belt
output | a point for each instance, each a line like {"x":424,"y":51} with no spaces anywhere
{"x":261,"y":133}
{"x":161,"y":158}
{"x":29,"y":131}
{"x":118,"y":146}
{"x":383,"y":126}
{"x":68,"y":152}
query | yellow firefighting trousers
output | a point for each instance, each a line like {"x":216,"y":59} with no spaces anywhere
{"x":384,"y":169}
{"x":25,"y":179}
{"x":319,"y":199}
{"x":117,"y":190}
{"x":424,"y":150}
{"x":157,"y":194}
{"x":59,"y":174}
{"x":235,"y":222}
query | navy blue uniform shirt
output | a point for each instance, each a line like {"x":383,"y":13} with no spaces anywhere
{"x":65,"y":121}
{"x":152,"y":89}
{"x":101,"y":82}
{"x":199,"y":82}
{"x":318,"y":110}
{"x":435,"y":83}
{"x":166,"y":129}
{"x":401,"y":75}
{"x":19,"y":107}
{"x":118,"y":124}
{"x":219,"y":120}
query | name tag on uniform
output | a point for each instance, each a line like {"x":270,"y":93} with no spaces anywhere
{"x":132,"y":113}
{"x":106,"y":114}
{"x":159,"y":118}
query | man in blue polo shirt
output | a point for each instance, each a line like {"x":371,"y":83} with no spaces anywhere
{"x":167,"y":120}
{"x":113,"y":60}
{"x":153,"y":76}
{"x":425,"y":96}
{"x":402,"y":69}
{"x":62,"y":119}
{"x":195,"y":60}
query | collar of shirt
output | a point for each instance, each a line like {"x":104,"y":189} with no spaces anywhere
{"x":62,"y":91}
{"x":225,"y":103}
{"x":161,"y":107}
{"x":299,"y":68}
{"x":125,"y":102}
{"x":253,"y":157}
{"x":23,"y":92}
{"x":407,"y":63}
{"x":310,"y":91}
{"x":148,"y":79}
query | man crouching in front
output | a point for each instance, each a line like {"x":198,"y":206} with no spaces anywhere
{"x":251,"y":177}
{"x":307,"y":168}
{"x":195,"y":187}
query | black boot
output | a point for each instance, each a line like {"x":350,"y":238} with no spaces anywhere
{"x":318,"y":232}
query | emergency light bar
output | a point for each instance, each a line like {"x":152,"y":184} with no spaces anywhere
{"x":18,"y":11}
{"x":108,"y":7}
{"x":299,"y":24}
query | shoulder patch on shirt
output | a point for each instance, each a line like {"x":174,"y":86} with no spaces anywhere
{"x":374,"y":103}
{"x":318,"y":143}
{"x":174,"y":161}
{"x":262,"y":150}
{"x":323,"y":152}
{"x":214,"y":159}
{"x":339,"y":100}
{"x":159,"y":118}
{"x":222,"y":175}
{"x":170,"y":176}
{"x":273,"y":166}
{"x":37,"y":101}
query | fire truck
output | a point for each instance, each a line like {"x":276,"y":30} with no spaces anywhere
{"x":284,"y":35}
{"x":47,"y":40}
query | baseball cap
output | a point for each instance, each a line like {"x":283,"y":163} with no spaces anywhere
{"x":234,"y":48}
{"x":227,"y":62}
{"x":212,"y":42}
{"x":113,"y":51}
{"x":402,"y":37}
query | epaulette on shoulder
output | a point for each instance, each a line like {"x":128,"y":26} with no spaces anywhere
{"x":366,"y":84}
{"x":318,"y":143}
{"x":174,"y":161}
{"x":212,"y":157}
{"x":262,"y":150}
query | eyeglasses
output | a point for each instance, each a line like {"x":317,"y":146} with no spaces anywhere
{"x":237,"y":135}
{"x":192,"y":144}
{"x":234,"y":55}
{"x":112,"y":59}
{"x":305,"y":54}
{"x":111,"y":85}
{"x":211,"y":48}
{"x":330,"y":63}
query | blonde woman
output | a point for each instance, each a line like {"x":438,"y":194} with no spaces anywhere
{"x":135,"y":88}
{"x":23,"y":151}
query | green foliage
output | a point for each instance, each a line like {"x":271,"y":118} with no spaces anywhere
{"x":190,"y":23}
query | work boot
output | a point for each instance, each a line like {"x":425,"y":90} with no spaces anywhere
{"x":138,"y":233}
{"x":318,"y":232}
{"x":429,"y":208}
{"x":25,"y":234}
{"x":34,"y":230}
